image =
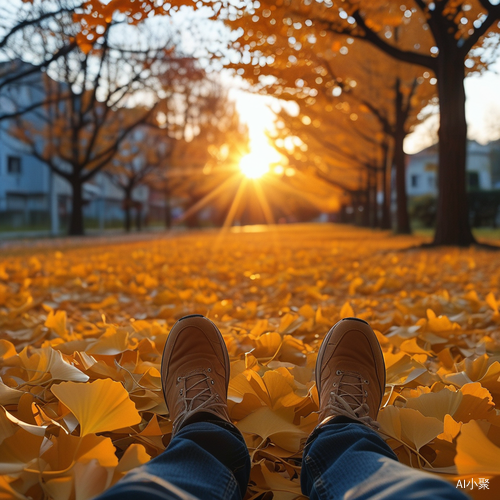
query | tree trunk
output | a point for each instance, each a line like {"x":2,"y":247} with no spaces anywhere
{"x":385,"y":222}
{"x":373,"y":200}
{"x":452,"y":223}
{"x":365,"y":204}
{"x":76,"y":227}
{"x":356,"y":204}
{"x":138,"y":216}
{"x":127,"y":220}
{"x":168,"y":210}
{"x":127,"y":208}
{"x":402,"y":219}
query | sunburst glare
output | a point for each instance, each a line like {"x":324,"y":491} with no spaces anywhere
{"x":254,"y":166}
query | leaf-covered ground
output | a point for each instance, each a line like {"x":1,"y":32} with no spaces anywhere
{"x":82,"y":331}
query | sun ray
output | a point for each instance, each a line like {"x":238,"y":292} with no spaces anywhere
{"x":268,"y":214}
{"x":296,"y":192}
{"x":230,"y":214}
{"x":261,"y":198}
{"x":208,"y":197}
{"x":235,"y":204}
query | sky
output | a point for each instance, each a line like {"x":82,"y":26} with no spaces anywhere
{"x":483,"y":91}
{"x":482,"y":108}
{"x":482,"y":111}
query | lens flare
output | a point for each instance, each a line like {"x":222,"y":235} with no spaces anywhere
{"x":254,"y":166}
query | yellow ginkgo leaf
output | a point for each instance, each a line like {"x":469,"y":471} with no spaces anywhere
{"x":134,"y":456}
{"x":57,"y":323}
{"x":451,"y":429}
{"x":111,"y":342}
{"x":66,"y":450}
{"x":8,"y":395}
{"x":278,"y":424}
{"x":347,"y":311}
{"x":476,"y":454}
{"x":492,"y":302}
{"x":267,"y":345}
{"x":307,"y":311}
{"x":7,"y":351}
{"x":439,"y":324}
{"x":7,"y":491}
{"x":282,"y":487}
{"x":320,"y":319}
{"x":7,"y":420}
{"x":99,"y":406}
{"x":409,"y":426}
{"x":402,"y":368}
{"x":355,"y":283}
{"x":48,"y":364}
{"x":19,"y":451}
{"x":436,"y":404}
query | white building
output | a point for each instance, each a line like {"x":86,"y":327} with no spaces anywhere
{"x":32,"y":196}
{"x":483,"y":169}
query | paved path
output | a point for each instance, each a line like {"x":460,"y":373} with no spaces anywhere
{"x":36,"y":241}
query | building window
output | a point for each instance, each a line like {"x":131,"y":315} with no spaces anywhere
{"x":473,"y":180}
{"x":414,"y":181}
{"x":431,"y":182}
{"x":14,"y":165}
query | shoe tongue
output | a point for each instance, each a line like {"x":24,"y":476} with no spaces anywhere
{"x":197,"y":388}
{"x":352,"y":394}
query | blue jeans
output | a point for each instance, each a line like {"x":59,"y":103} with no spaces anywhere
{"x":342,"y":459}
{"x":205,"y":460}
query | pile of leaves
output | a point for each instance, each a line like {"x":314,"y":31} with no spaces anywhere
{"x":82,"y":331}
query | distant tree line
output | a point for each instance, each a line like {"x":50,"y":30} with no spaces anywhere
{"x":123,"y":99}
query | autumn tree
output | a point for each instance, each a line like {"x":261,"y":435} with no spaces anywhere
{"x":439,"y":36}
{"x":139,"y":161}
{"x":204,"y":164}
{"x":25,"y":31}
{"x":87,"y":94}
{"x":27,"y":26}
{"x":30,"y":21}
{"x":337,"y":146}
{"x":335,"y":75}
{"x":452,"y":29}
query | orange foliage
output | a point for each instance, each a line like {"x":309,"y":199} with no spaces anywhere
{"x":82,"y":332}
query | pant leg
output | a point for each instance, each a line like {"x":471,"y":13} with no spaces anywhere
{"x":205,"y":460}
{"x":348,"y":460}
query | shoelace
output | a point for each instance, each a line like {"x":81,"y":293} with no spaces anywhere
{"x":357,"y":410}
{"x":203,"y":388}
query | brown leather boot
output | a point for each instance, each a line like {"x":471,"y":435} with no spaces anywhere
{"x":195,"y":371}
{"x":350,"y":373}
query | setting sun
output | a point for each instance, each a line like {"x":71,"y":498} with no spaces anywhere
{"x":254,"y":166}
{"x":261,"y":158}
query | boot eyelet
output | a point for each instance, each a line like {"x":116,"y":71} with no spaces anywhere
{"x":178,"y":379}
{"x":212,"y":382}
{"x":180,"y":392}
{"x":338,"y":372}
{"x":209,"y":370}
{"x":334,"y":384}
{"x":366,"y":393}
{"x":367,"y":382}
